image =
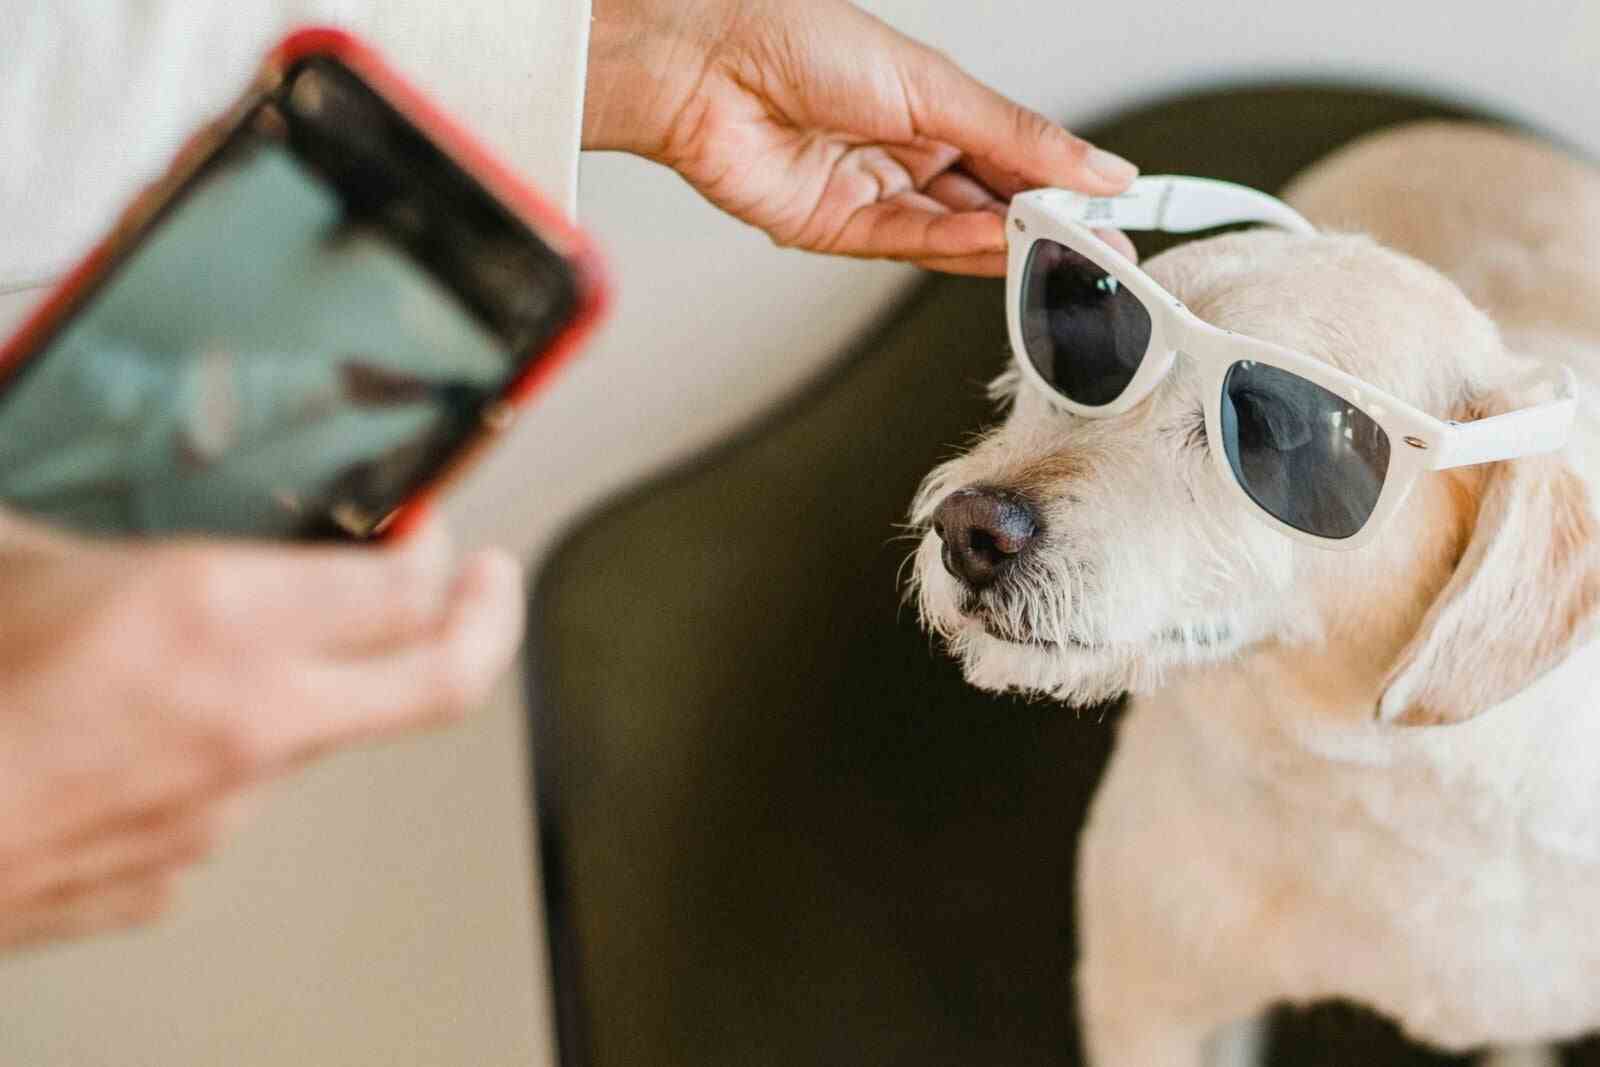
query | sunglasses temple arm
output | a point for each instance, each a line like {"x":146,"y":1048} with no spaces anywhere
{"x":1200,"y":203}
{"x":1530,"y":431}
{"x":1177,"y":204}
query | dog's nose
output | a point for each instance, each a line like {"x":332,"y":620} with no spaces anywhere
{"x":984,"y":531}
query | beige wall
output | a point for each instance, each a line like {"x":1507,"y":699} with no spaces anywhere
{"x":379,"y":911}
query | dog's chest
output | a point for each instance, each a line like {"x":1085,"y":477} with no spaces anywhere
{"x":1455,"y":903}
{"x":1461,"y":945}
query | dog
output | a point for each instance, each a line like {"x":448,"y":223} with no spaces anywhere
{"x":1369,"y":775}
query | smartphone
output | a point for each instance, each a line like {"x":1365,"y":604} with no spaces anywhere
{"x":328,"y":304}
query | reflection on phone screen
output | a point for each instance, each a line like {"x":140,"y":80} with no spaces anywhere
{"x":270,"y":360}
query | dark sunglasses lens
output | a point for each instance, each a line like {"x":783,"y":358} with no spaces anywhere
{"x":1083,"y":332}
{"x":1302,"y":453}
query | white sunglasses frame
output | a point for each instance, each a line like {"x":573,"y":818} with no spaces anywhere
{"x":1418,"y":442}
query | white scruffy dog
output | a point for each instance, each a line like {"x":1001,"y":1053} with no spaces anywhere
{"x":1372,"y":775}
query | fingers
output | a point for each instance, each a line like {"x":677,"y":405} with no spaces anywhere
{"x":181,"y":674}
{"x":983,"y":265}
{"x":131,"y":848}
{"x":995,"y":264}
{"x":957,"y":192}
{"x":920,"y":162}
{"x":1018,"y":147}
{"x":428,"y":682}
{"x":1004,"y":183}
{"x":247,"y":706}
{"x":903,"y":208}
{"x":961,"y":192}
{"x":916,"y":227}
{"x":91,"y":910}
{"x":346,"y":598}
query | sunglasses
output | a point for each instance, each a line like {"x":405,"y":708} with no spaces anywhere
{"x":1323,"y":456}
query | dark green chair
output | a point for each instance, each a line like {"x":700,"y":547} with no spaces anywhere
{"x":778,"y":829}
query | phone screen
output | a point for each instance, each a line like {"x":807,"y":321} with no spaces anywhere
{"x":308,"y":332}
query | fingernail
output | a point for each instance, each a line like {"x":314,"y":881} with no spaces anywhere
{"x":1111,"y":167}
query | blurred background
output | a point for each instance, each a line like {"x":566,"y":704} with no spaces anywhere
{"x":387,"y":908}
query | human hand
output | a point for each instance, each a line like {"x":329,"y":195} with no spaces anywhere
{"x":146,"y":686}
{"x":827,"y":129}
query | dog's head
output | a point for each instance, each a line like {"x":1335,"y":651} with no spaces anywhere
{"x":1084,"y":557}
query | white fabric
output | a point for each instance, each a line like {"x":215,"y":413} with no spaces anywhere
{"x":96,"y":96}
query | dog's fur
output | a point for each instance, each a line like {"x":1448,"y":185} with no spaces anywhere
{"x":1371,"y":775}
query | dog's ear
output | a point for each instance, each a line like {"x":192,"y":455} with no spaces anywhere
{"x":1524,"y":594}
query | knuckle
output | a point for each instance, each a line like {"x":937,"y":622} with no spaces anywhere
{"x":1025,"y":125}
{"x":787,"y":235}
{"x":1033,"y":129}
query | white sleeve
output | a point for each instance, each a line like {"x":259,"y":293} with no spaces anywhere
{"x":96,"y":97}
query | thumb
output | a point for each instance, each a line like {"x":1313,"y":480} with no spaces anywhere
{"x":949,"y":105}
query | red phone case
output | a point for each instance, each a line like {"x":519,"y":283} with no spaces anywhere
{"x":549,"y":222}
